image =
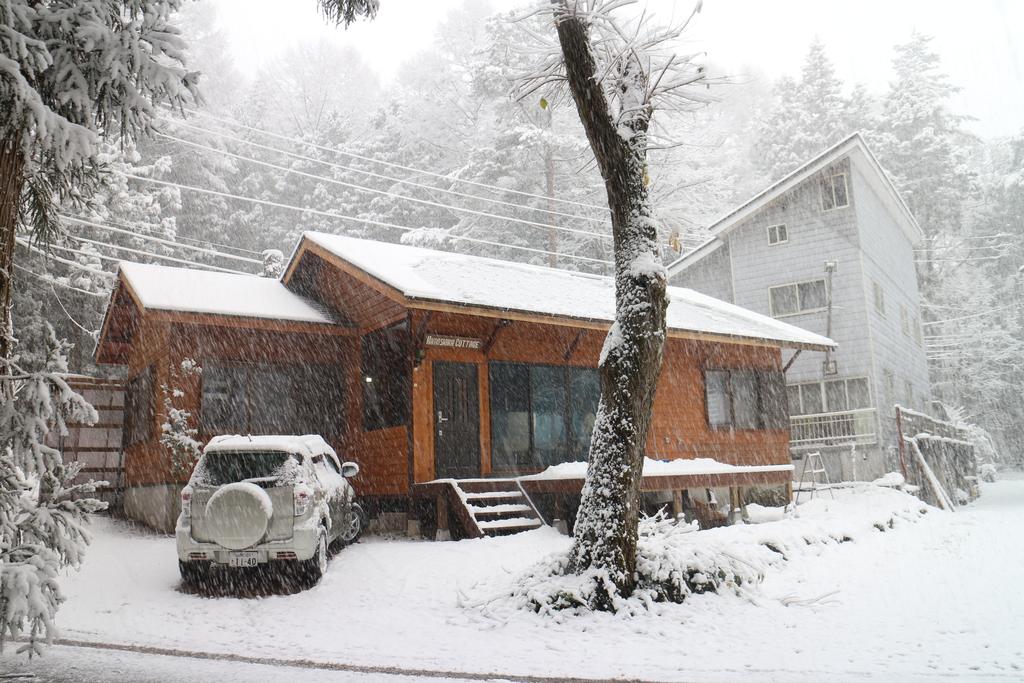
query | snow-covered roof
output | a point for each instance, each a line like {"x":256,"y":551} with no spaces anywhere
{"x":860,"y":154}
{"x":427,"y":275}
{"x":309,"y":444}
{"x":166,"y":288}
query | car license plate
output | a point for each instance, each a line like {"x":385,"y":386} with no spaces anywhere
{"x":250,"y":559}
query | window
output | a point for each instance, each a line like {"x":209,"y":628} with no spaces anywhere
{"x":800,"y":297}
{"x":908,"y":394}
{"x":889,"y":379}
{"x":917,"y":330}
{"x":746,"y":399}
{"x":879,"y":295}
{"x":387,"y":394}
{"x":833,"y":192}
{"x":831,"y":396}
{"x":264,"y":398}
{"x":904,"y":321}
{"x":541,"y":415}
{"x":777,"y":234}
{"x":139,"y":403}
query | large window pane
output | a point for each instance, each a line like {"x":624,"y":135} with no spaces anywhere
{"x":717,"y":397}
{"x":810,"y":397}
{"x":271,"y":410}
{"x":812,"y":295}
{"x":744,"y":399}
{"x":793,"y":394}
{"x":319,"y":400}
{"x":385,"y":381}
{"x":585,"y":394}
{"x":857,"y":390}
{"x":835,"y":395}
{"x":549,"y":401}
{"x":510,"y":416}
{"x":223,"y":409}
{"x":784,"y":300}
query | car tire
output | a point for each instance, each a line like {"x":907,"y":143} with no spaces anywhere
{"x":313,"y":569}
{"x":193,"y":574}
{"x":355,"y":528}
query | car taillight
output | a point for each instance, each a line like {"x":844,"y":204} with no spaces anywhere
{"x":302,"y":498}
{"x":186,"y":502}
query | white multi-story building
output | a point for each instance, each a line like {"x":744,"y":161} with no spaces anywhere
{"x":830,"y":248}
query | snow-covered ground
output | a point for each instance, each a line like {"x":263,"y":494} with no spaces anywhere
{"x":937,"y":598}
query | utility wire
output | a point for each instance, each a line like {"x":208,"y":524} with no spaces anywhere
{"x":387,"y":193}
{"x":363,"y":221}
{"x":160,"y":256}
{"x":390,"y":164}
{"x":391,"y":179}
{"x":160,"y":240}
{"x":51,"y":281}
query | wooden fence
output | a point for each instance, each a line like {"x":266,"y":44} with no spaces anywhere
{"x":97,"y":447}
{"x":937,"y":457}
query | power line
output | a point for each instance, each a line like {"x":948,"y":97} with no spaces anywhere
{"x":74,"y":264}
{"x":161,"y":240}
{"x":51,"y":281}
{"x":364,"y":221}
{"x":391,"y":164}
{"x":372,"y":174}
{"x":387,"y":193}
{"x":160,"y":256}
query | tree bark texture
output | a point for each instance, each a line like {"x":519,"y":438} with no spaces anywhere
{"x":606,"y":526}
{"x":12,"y":166}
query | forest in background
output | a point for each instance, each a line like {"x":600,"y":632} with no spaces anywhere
{"x":444,"y":157}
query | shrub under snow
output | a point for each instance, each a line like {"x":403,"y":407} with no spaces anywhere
{"x":674,"y":561}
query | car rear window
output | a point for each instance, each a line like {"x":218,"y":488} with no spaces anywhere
{"x":228,"y":467}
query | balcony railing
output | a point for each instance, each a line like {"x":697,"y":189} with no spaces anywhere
{"x":843,"y":427}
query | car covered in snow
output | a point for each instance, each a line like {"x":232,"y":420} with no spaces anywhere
{"x":281,"y":502}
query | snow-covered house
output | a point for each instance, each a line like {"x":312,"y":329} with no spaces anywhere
{"x":830,"y":248}
{"x":423,"y":365}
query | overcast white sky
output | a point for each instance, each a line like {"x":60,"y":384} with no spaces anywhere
{"x":979,"y":41}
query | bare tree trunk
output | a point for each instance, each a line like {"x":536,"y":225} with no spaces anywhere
{"x":606,"y":526}
{"x":12,"y":164}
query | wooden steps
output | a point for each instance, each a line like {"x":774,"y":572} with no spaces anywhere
{"x":496,"y":507}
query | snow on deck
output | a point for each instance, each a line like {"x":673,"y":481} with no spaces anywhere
{"x":661,"y":468}
{"x":431,"y":275}
{"x":165,"y":288}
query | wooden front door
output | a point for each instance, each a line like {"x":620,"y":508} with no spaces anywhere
{"x":456,"y":421}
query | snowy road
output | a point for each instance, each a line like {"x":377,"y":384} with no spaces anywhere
{"x":938,"y":599}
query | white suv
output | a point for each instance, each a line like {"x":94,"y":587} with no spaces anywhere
{"x":277,"y":501}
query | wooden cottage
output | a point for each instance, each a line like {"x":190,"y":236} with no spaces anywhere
{"x":447,"y":377}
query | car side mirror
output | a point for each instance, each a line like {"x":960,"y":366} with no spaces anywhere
{"x":349,"y":470}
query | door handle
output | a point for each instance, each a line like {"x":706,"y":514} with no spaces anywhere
{"x":441,"y":418}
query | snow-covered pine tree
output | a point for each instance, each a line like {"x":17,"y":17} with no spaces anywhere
{"x":808,"y":116}
{"x":73,"y":71}
{"x":619,"y":73}
{"x":43,"y":517}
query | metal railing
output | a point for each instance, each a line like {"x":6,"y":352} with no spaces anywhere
{"x":841,"y":427}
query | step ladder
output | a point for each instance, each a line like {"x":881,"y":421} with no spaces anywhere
{"x":498,"y":507}
{"x":814,"y":466}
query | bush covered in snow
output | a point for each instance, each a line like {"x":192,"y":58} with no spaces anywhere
{"x":988,"y":473}
{"x":675,"y":561}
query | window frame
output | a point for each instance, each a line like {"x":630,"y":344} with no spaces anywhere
{"x":570,"y":440}
{"x":878,"y":296}
{"x":398,"y":375}
{"x":796,"y":286}
{"x":297,"y":374}
{"x":766,"y":419}
{"x":777,"y":241}
{"x":141,"y":385}
{"x":904,"y":320}
{"x":829,"y":180}
{"x":820,"y":383}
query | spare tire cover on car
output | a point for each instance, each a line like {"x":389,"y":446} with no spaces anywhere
{"x":237,"y":515}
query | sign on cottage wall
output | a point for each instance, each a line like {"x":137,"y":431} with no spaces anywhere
{"x":453,"y":342}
